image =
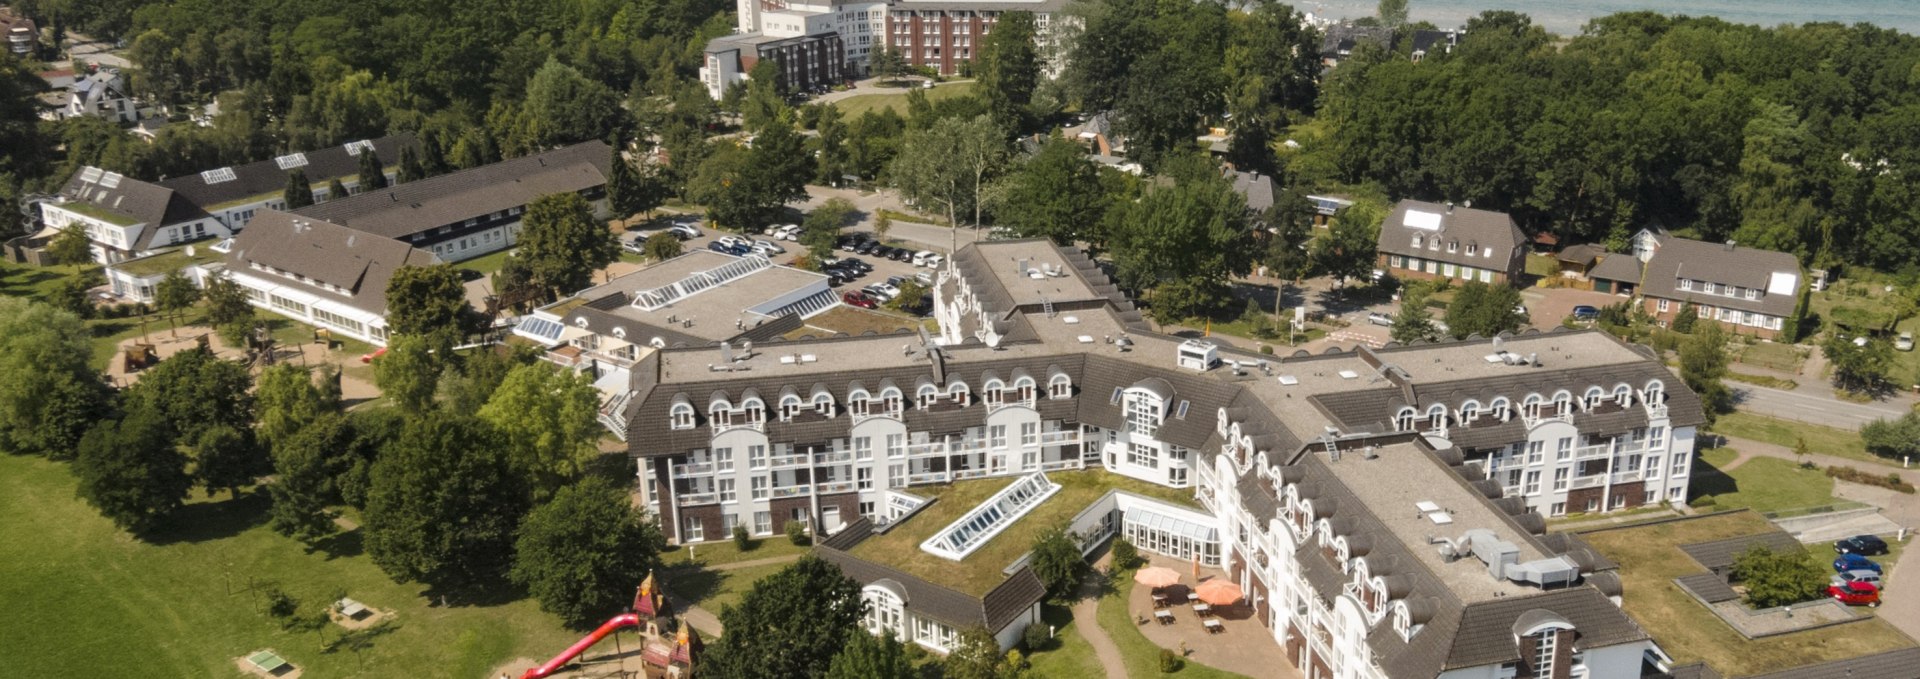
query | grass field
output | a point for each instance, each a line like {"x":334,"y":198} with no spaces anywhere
{"x":88,"y":600}
{"x":1650,"y":558}
{"x":1820,"y":440}
{"x":39,"y":282}
{"x":1069,"y":654}
{"x":854,"y":107}
{"x":1771,"y":355}
{"x":981,"y":570}
{"x":1142,"y":656}
{"x":1762,"y":484}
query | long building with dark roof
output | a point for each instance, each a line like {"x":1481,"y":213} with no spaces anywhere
{"x":1384,"y":509}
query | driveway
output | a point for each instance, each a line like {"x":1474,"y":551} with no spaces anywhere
{"x":873,"y":86}
{"x":1813,"y":406}
{"x":914,"y":234}
{"x":1548,"y":305}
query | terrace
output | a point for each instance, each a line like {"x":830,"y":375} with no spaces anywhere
{"x":984,"y":567}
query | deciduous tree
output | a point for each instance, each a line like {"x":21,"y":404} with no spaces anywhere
{"x":1054,"y":194}
{"x":303,"y":484}
{"x":946,"y":166}
{"x":820,"y":231}
{"x":1777,"y":578}
{"x":227,"y":458}
{"x":286,"y":401}
{"x":662,"y":246}
{"x":192,"y":391}
{"x":408,"y":373}
{"x":1057,"y":561}
{"x":791,"y":624}
{"x":1703,"y":363}
{"x":1414,"y":322}
{"x":871,"y":656}
{"x":1008,"y":68}
{"x":427,"y":300}
{"x":444,"y":504}
{"x":228,"y":310}
{"x":71,"y":246}
{"x":563,"y":244}
{"x":547,"y":420}
{"x":1484,"y":309}
{"x":566,"y":107}
{"x":50,"y":394}
{"x":132,"y":472}
{"x":583,"y":552}
{"x":174,"y":294}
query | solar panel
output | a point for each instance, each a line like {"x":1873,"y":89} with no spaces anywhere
{"x":90,"y":174}
{"x":291,"y":160}
{"x":224,"y":174}
{"x":110,"y":180}
{"x":355,"y":147}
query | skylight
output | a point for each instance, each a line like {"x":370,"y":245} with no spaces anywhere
{"x":1426,"y":221}
{"x":291,"y":160}
{"x":970,"y":532}
{"x":224,"y":174}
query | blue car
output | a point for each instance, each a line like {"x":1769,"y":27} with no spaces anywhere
{"x":1854,"y":562}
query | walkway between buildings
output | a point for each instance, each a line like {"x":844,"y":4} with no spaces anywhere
{"x":1086,"y":620}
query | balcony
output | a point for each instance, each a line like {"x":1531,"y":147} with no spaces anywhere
{"x":965,"y":474}
{"x":833,"y":457}
{"x":694,"y":469}
{"x":1592,"y":452}
{"x":1628,"y":476}
{"x":1059,"y":438}
{"x":1057,"y":465}
{"x":835,"y":487}
{"x":719,"y":428}
{"x":928,"y":477}
{"x":793,"y":460}
{"x":790,"y":491}
{"x":691,"y":499}
{"x":1588,"y":481}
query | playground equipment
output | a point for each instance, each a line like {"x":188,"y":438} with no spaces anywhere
{"x":368,"y":358}
{"x":610,"y":626}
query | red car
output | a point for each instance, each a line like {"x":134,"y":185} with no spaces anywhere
{"x":1855,"y":593}
{"x":860,"y":299}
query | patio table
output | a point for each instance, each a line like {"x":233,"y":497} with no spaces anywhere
{"x":1164,"y":616}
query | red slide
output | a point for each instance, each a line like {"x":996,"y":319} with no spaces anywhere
{"x":558,"y":661}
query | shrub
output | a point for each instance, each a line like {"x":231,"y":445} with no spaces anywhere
{"x":1125,"y":555}
{"x":1036,"y":638}
{"x":797,"y":533}
{"x":1169,"y":661}
{"x":1777,"y":578}
{"x":1891,"y":481}
{"x":740,"y":538}
{"x":1266,"y":349}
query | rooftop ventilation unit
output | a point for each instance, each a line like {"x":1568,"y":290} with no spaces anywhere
{"x":1198,"y":355}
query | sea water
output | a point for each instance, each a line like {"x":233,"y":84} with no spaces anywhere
{"x":1565,"y":17}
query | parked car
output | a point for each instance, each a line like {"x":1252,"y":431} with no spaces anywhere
{"x":1380,"y":319}
{"x":859,"y":264}
{"x":1855,"y":594}
{"x":930,"y":261}
{"x":851,"y":243}
{"x":768,"y":248}
{"x":1868,"y":545}
{"x":900,"y":255}
{"x":720,"y":247}
{"x":1868,"y":577}
{"x":1854,"y":562}
{"x":920,"y":258}
{"x":684,"y":231}
{"x":635,"y":243}
{"x":924,"y":278}
{"x":1586,"y":312}
{"x":731,"y":241}
{"x":1904,"y":342}
{"x":859,"y":299}
{"x":880,"y":292}
{"x":867,"y":247}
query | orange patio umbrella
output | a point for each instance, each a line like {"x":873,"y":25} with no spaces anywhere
{"x":1218,"y":592}
{"x":1157,"y":577}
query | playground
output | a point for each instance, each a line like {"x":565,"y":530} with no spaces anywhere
{"x":661,"y":646}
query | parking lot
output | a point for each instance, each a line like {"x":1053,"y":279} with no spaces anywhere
{"x":882,"y":268}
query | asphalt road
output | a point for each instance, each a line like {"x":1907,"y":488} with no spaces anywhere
{"x":1812,"y":408}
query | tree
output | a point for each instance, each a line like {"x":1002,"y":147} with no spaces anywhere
{"x":1057,"y":560}
{"x":408,"y":374}
{"x":580,"y":553}
{"x":1349,"y":249}
{"x":882,"y":223}
{"x":50,"y":393}
{"x":411,"y":168}
{"x":744,"y":188}
{"x":1125,"y":555}
{"x":303,"y":484}
{"x":912,"y":296}
{"x":335,"y":189}
{"x":71,"y":247}
{"x":1054,"y":194}
{"x":548,"y":421}
{"x":444,"y":504}
{"x":131,"y":471}
{"x":562,"y":243}
{"x":886,"y":63}
{"x":1896,"y":438}
{"x":662,"y":246}
{"x":628,"y":193}
{"x":765,"y":102}
{"x":977,"y":656}
{"x":373,"y":173}
{"x":286,"y":401}
{"x":425,"y":301}
{"x":1777,"y":578}
{"x":226,"y":457}
{"x":193,"y":391}
{"x":947,"y":165}
{"x":1392,"y":13}
{"x":1857,"y":368}
{"x":835,"y":161}
{"x":1414,"y":323}
{"x":1008,"y":68}
{"x":820,"y":231}
{"x":871,"y":656}
{"x":791,"y":624}
{"x":1484,"y":309}
{"x":174,"y":294}
{"x":1703,"y":362}
{"x":1684,"y":321}
{"x":1184,"y":241}
{"x":299,"y":191}
{"x":228,"y":310}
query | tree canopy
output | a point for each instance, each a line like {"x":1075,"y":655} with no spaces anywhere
{"x":791,"y":624}
{"x":582,"y":552}
{"x":563,"y":244}
{"x":444,"y":503}
{"x":131,"y":470}
{"x":49,"y":393}
{"x":547,"y":420}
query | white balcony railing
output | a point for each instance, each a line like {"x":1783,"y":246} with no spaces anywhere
{"x":1059,"y":438}
{"x":1061,"y":464}
{"x":1588,"y":481}
{"x":928,"y":477}
{"x":697,"y":468}
{"x":690,"y":499}
{"x":835,"y":487}
{"x":794,"y":460}
{"x":1628,"y":476}
{"x":790,"y":491}
{"x":833,"y":457}
{"x":971,"y":474}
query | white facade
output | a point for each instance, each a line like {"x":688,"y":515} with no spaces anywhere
{"x":116,"y":240}
{"x":264,"y":291}
{"x":860,"y":25}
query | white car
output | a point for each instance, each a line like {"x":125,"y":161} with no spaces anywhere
{"x":1904,"y":342}
{"x":684,"y":231}
{"x":767,"y":248}
{"x":733,"y":241}
{"x":887,"y":290}
{"x":927,"y":258}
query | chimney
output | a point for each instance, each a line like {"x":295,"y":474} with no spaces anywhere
{"x":1449,"y":207}
{"x":1730,"y":245}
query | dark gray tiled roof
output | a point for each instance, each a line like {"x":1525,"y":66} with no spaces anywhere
{"x":1720,"y":554}
{"x":1709,"y":587}
{"x":1000,"y":606}
{"x":1747,"y":267}
{"x":1338,"y":40}
{"x":1486,"y":628}
{"x":266,"y":177}
{"x":416,"y":206}
{"x":362,"y":263}
{"x":1617,"y":267}
{"x":1694,"y":671}
{"x":1897,"y":664}
{"x":1492,"y":232}
{"x":1372,"y":410}
{"x":1258,"y":188}
{"x":142,"y":202}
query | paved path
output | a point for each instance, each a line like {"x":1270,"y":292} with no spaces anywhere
{"x":769,"y":561}
{"x":1087,"y":623}
{"x":1812,"y":403}
{"x":873,"y":86}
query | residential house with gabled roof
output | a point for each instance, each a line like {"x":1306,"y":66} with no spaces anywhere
{"x":102,"y":94}
{"x":1339,"y":42}
{"x":1748,"y":290}
{"x":466,"y":214}
{"x":1425,"y":240}
{"x":320,"y":273}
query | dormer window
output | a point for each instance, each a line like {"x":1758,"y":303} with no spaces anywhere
{"x":789,"y":407}
{"x":1404,"y":420}
{"x":1060,"y":386}
{"x":1419,"y":241}
{"x":927,"y":396}
{"x":1453,"y":246}
{"x":1470,"y":411}
{"x":1594,"y":395}
{"x":680,"y":416}
{"x":1473,"y":249}
{"x":1143,"y":413}
{"x":1436,"y":417}
{"x":1686,"y":284}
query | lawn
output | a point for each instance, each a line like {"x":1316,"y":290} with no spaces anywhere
{"x":40,"y":282}
{"x":854,"y":107}
{"x":1820,"y":440}
{"x":1771,"y":355}
{"x":1069,"y":654}
{"x":1649,"y":558}
{"x":487,"y":264}
{"x":89,"y":600}
{"x":712,"y":589}
{"x":981,"y":571}
{"x":718,"y":553}
{"x":1762,"y":484}
{"x":855,"y":321}
{"x":1142,"y":656}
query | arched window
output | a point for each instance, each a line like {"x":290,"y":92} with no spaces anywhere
{"x":1404,"y":420}
{"x":886,"y":611}
{"x":1562,"y":402}
{"x":1623,"y":395}
{"x":755,"y":408}
{"x":995,"y":391}
{"x":960,"y":393}
{"x":1501,"y":408}
{"x":1469,"y":411}
{"x":680,"y":416}
{"x":1436,"y":417}
{"x":1023,"y":388}
{"x":891,"y":399}
{"x":1531,"y":406}
{"x":1656,"y":393}
{"x":1059,"y":386}
{"x":1594,"y":394}
{"x":859,"y":402}
{"x":823,"y":402}
{"x":927,"y":395}
{"x":789,"y":406}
